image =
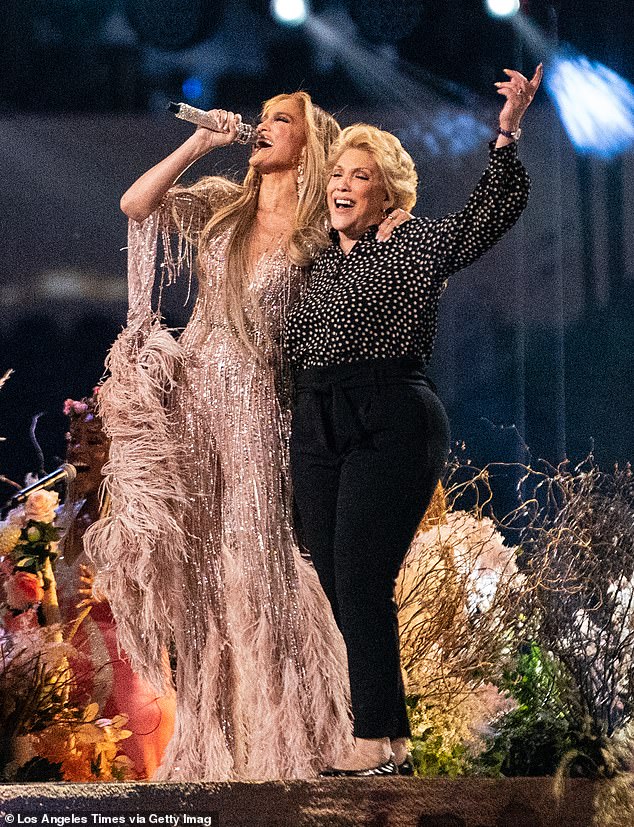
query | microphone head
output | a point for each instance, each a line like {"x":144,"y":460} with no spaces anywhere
{"x":173,"y":107}
{"x":70,"y":471}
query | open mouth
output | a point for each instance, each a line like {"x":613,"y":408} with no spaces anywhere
{"x":80,"y":467}
{"x":263,"y":143}
{"x":343,"y":203}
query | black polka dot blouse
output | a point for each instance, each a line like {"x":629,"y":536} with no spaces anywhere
{"x":381,"y":300}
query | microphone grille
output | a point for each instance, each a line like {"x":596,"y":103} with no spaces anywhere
{"x":70,"y":470}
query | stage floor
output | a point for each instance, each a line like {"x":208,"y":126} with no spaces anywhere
{"x":380,"y":802}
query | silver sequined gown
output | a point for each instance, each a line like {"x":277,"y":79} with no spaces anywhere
{"x":261,"y":675}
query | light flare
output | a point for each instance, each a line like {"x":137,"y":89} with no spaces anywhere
{"x":595,"y":104}
{"x":290,"y":12}
{"x":502,"y":8}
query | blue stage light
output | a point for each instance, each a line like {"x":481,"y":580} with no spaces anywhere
{"x":502,"y":8}
{"x":596,"y":106}
{"x":193,"y":89}
{"x":289,"y":12}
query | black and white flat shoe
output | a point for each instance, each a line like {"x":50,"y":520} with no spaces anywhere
{"x":406,"y":767}
{"x":386,"y":768}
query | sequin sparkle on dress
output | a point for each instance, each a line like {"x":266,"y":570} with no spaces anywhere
{"x":261,"y":675}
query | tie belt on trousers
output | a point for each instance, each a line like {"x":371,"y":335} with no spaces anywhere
{"x":363,"y":374}
{"x":335,"y":398}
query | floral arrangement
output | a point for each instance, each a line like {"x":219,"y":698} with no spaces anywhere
{"x":577,"y":623}
{"x":28,"y":547}
{"x":581,"y":539}
{"x":458,"y":592}
{"x":79,"y":407}
{"x":82,"y":747}
{"x":520,"y":659}
{"x":449,"y":739}
{"x":46,"y":732}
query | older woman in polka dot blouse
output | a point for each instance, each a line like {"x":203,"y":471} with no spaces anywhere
{"x":370,"y":437}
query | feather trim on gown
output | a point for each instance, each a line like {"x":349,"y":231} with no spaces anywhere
{"x":199,"y":551}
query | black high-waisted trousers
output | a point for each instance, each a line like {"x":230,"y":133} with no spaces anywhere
{"x":369,"y":442}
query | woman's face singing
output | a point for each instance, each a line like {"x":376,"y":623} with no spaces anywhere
{"x":356,"y":193}
{"x":281,"y":137}
{"x":87,"y":450}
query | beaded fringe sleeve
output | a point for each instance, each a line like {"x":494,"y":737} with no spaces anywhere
{"x":142,"y":477}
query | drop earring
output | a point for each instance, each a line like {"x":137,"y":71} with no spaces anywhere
{"x":300,"y":175}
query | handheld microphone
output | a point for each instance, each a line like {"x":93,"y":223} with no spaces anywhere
{"x":246,"y":133}
{"x":66,"y":472}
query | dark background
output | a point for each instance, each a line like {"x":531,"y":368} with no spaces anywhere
{"x":535,"y":354}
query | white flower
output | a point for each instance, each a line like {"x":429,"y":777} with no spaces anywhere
{"x":40,"y":506}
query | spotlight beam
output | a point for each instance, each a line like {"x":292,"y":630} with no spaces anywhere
{"x":594,"y":104}
{"x":441,"y":126}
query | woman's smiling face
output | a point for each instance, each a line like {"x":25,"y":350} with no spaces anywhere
{"x":356,"y":193}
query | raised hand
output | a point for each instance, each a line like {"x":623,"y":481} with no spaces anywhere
{"x":519,"y":92}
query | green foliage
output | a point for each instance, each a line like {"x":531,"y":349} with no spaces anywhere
{"x":438,"y":740}
{"x":37,"y":542}
{"x":432,"y":756}
{"x":548,"y":728}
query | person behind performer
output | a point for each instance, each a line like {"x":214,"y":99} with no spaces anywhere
{"x":109,"y":680}
{"x":261,"y":679}
{"x":369,"y":436}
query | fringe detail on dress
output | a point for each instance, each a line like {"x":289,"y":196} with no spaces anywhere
{"x":285,"y":724}
{"x":199,"y":547}
{"x":199,"y":749}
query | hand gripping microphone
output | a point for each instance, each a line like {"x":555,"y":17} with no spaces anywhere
{"x":246,"y":133}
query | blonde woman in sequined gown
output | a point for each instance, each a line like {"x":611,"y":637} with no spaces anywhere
{"x":199,"y":552}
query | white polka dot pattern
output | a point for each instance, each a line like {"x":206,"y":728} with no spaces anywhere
{"x":381,"y":300}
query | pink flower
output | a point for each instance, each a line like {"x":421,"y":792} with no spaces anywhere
{"x":23,"y":589}
{"x":41,"y":505}
{"x":73,"y":407}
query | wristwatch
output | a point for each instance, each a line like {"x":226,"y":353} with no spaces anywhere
{"x":514,"y":136}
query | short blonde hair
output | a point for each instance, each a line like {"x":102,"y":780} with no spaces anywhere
{"x":396,"y":165}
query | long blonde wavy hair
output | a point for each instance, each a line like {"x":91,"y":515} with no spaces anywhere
{"x":309,"y":233}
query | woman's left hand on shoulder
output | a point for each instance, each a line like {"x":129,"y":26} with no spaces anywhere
{"x":394,"y":219}
{"x":519,"y":92}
